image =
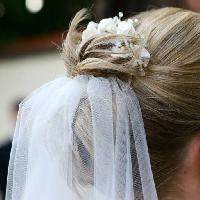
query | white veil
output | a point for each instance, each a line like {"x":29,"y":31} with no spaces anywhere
{"x":80,"y":139}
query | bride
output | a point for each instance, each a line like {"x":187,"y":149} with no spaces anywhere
{"x":82,"y":136}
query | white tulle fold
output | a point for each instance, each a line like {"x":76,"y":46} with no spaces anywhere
{"x":56,"y":157}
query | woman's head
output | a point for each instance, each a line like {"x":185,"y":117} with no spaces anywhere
{"x":169,"y":93}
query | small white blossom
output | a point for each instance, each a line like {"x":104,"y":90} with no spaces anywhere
{"x":145,"y":54}
{"x":107,"y":25}
{"x":136,"y":21}
{"x":130,"y":21}
{"x":90,"y":31}
{"x":116,"y":20}
{"x":121,"y":15}
{"x":125,"y":28}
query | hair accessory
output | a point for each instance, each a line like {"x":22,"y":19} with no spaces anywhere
{"x":81,"y":139}
{"x":135,"y":44}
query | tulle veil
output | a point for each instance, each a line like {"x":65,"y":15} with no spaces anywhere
{"x":80,"y":139}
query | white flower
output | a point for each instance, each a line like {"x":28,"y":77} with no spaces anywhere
{"x":116,"y":20}
{"x":107,"y":25}
{"x":121,"y":15}
{"x":130,"y":21}
{"x":125,"y":28}
{"x":145,"y":54}
{"x":90,"y":31}
{"x":136,"y":21}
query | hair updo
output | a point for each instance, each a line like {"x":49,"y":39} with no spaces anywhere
{"x":169,"y":93}
{"x":96,"y":56}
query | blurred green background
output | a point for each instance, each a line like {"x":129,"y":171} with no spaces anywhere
{"x":25,"y":18}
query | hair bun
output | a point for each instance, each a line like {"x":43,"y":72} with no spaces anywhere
{"x":112,"y":46}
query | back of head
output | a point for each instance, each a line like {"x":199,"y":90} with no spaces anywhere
{"x":169,"y":92}
{"x":86,"y":134}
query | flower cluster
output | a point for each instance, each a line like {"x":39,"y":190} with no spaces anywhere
{"x":110,"y":25}
{"x":128,"y":28}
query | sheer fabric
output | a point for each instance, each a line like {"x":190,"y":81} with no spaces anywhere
{"x":80,"y":139}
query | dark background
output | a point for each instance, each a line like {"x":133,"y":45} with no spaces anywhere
{"x":22,"y":32}
{"x":18,"y":22}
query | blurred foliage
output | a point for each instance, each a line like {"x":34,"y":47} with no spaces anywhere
{"x":18,"y":22}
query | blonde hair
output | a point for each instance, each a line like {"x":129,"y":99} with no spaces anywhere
{"x":169,"y":93}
